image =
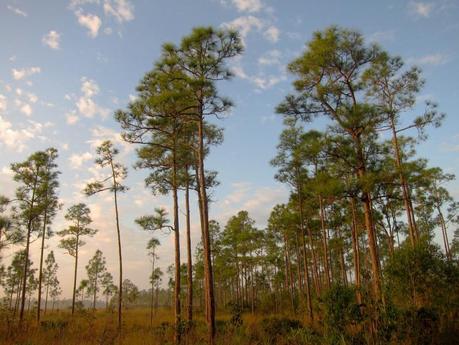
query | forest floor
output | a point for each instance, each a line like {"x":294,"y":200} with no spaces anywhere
{"x":88,"y":327}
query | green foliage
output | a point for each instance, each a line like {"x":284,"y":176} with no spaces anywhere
{"x":422,"y":277}
{"x":339,"y":312}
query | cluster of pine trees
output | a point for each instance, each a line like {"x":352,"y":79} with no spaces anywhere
{"x":360,"y":226}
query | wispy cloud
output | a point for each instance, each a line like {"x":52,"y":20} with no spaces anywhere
{"x":85,"y":103}
{"x":260,"y":81}
{"x":3,"y":103}
{"x":248,"y":5}
{"x":76,"y":160}
{"x":16,"y":137}
{"x":52,"y":39}
{"x":90,"y":22}
{"x":17,"y":11}
{"x":431,"y":59}
{"x":272,"y":57}
{"x":122,"y":10}
{"x":22,"y":73}
{"x":381,"y":36}
{"x":421,"y":9}
{"x":272,"y":34}
{"x":246,"y":24}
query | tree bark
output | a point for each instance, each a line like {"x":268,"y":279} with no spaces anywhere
{"x":75,"y":272}
{"x":177,"y":253}
{"x":210,"y":302}
{"x":189,"y":256}
{"x":120,"y":291}
{"x":40,"y":274}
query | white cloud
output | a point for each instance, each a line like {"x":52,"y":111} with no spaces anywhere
{"x":421,"y":9}
{"x":381,"y":36}
{"x":16,"y":139}
{"x":32,"y":97}
{"x":258,"y":201}
{"x":89,"y":87}
{"x":248,"y":5}
{"x":17,"y":11}
{"x":19,"y":74}
{"x":89,"y":21}
{"x":272,"y":34}
{"x":431,"y":59}
{"x":52,"y":39}
{"x":85,"y":104}
{"x":270,"y":58}
{"x":244,"y":25}
{"x":122,"y":10}
{"x":100,"y":134}
{"x":75,"y":3}
{"x":71,"y":118}
{"x":261,"y":82}
{"x":26,"y":109}
{"x":77,"y":160}
{"x":2,"y":103}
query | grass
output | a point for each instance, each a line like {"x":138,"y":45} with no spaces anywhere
{"x":99,"y":327}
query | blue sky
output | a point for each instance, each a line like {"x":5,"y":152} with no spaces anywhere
{"x":66,"y":65}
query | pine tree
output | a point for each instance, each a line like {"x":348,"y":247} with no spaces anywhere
{"x":79,"y":216}
{"x":32,"y":177}
{"x":51,"y":205}
{"x":112,"y":183}
{"x":50,"y":276}
{"x":96,"y":271}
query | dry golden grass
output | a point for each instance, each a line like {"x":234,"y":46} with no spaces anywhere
{"x":100,"y":328}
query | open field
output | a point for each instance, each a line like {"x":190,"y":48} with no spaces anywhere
{"x":100,"y":328}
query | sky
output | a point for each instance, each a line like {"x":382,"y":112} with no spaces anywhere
{"x":67,"y":65}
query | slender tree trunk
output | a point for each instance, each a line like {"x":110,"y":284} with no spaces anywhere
{"x":27,"y":249}
{"x":298,"y":264}
{"x":24,"y":280}
{"x":40,"y":272}
{"x":356,"y":252}
{"x":444,"y":233}
{"x":189,"y":256}
{"x":75,"y":272}
{"x":95,"y":294}
{"x":324,"y":243}
{"x":369,"y":225}
{"x":46,"y":298}
{"x":177,"y":253}
{"x":209,"y":293}
{"x":315,"y":273}
{"x":289,"y":272}
{"x":152,"y":289}
{"x":303,"y":244}
{"x":412,"y":229}
{"x":120,"y":291}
